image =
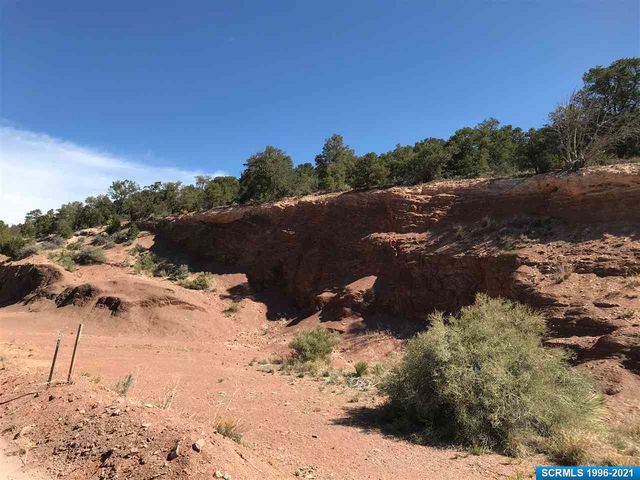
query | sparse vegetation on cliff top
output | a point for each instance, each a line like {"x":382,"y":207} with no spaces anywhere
{"x":597,"y":125}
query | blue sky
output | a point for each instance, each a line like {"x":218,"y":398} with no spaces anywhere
{"x":198,"y":86}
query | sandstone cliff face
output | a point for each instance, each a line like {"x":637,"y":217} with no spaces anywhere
{"x":569,"y":244}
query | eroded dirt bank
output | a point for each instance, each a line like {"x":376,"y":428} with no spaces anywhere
{"x":569,"y":244}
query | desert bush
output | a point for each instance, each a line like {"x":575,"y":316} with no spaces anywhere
{"x":232,"y":309}
{"x":47,"y":245}
{"x":300,"y":368}
{"x":127,"y":235}
{"x":51,"y":243}
{"x":92,"y":378}
{"x":361,"y":368}
{"x":114,"y":225}
{"x":137,"y":249}
{"x":103,"y":240}
{"x":200,"y":282}
{"x":89,"y":256}
{"x":124,"y":385}
{"x":561,"y":272}
{"x":483,"y":378}
{"x":147,"y":262}
{"x":17,"y":247}
{"x":572,"y":447}
{"x":100,"y":240}
{"x":133,"y":231}
{"x":377,"y":370}
{"x":316,"y":344}
{"x":169,"y":395}
{"x":57,"y":240}
{"x":181,"y":272}
{"x":64,"y":259}
{"x":26,"y":251}
{"x":230,"y":428}
{"x":120,"y":237}
{"x":65,"y":230}
{"x":77,"y":245}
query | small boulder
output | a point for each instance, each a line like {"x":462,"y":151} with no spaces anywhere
{"x":198,"y":445}
{"x":174,"y":452}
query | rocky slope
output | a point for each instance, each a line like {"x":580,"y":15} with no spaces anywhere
{"x":568,"y":244}
{"x":84,"y":431}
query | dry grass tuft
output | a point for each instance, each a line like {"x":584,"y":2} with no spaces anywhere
{"x":230,"y":428}
{"x":562,"y":272}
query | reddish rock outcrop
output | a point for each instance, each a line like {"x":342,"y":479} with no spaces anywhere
{"x":24,"y":281}
{"x":557,"y":242}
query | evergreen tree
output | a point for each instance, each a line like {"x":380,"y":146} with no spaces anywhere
{"x":268,"y":176}
{"x":334,"y":164}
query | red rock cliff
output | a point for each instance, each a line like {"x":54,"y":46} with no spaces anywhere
{"x":567,"y":243}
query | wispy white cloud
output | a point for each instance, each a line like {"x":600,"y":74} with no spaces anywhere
{"x":39,"y":171}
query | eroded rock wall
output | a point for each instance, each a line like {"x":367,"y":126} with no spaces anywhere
{"x":20,"y":281}
{"x":428,"y":245}
{"x":537,"y":240}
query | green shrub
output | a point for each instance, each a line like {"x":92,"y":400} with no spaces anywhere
{"x":101,"y":240}
{"x":232,"y":309}
{"x":51,"y":243}
{"x":77,"y":245}
{"x":89,"y":256}
{"x":124,"y":385}
{"x":361,"y":368}
{"x":120,"y":237}
{"x":126,"y":236}
{"x":137,"y":249}
{"x":484,"y":379}
{"x":47,"y":245}
{"x":17,"y":247}
{"x":201,"y":282}
{"x":150,"y":264}
{"x":316,"y":344}
{"x":114,"y":225}
{"x":181,"y":272}
{"x":65,"y":230}
{"x":26,"y":251}
{"x":146,"y":262}
{"x":133,"y":231}
{"x":377,"y":370}
{"x":64,"y":259}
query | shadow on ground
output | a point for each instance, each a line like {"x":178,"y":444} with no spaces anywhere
{"x":278,"y":305}
{"x":383,"y":419}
